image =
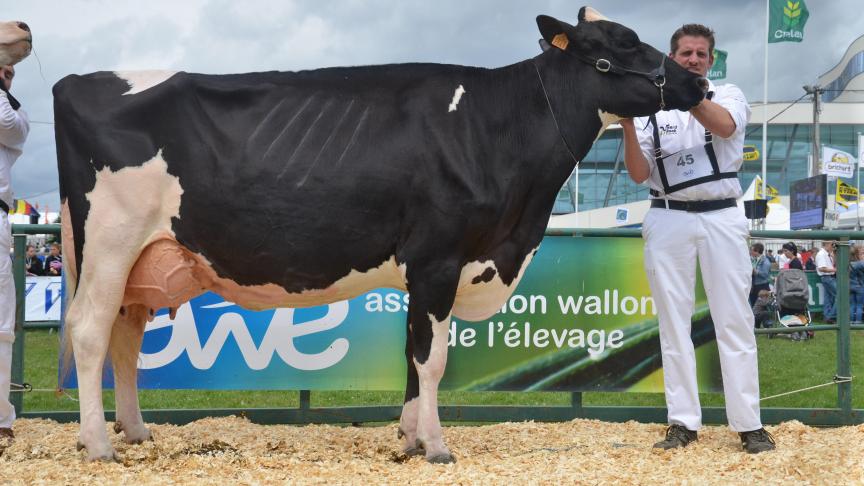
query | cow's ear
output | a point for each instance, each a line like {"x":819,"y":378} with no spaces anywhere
{"x":553,"y":31}
{"x":588,"y":14}
{"x":544,"y":46}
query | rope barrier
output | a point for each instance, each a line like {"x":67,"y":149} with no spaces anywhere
{"x":27,"y":387}
{"x":835,"y":381}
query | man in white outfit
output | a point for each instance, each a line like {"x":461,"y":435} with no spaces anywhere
{"x":690,"y":160}
{"x":14,"y":127}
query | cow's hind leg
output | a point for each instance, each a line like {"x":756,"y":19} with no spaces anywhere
{"x":89,"y":326}
{"x":432,"y":295}
{"x":408,"y":420}
{"x":126,"y":336}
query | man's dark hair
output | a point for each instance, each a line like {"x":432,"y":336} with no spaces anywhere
{"x":759,"y":247}
{"x":693,"y":30}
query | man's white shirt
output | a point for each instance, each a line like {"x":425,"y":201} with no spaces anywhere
{"x":680,"y":130}
{"x":823,"y":260}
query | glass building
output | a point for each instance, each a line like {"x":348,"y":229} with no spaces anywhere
{"x":603,"y":182}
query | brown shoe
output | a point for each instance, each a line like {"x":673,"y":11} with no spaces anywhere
{"x":6,"y":438}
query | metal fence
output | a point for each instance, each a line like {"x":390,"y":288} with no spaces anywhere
{"x":842,"y":414}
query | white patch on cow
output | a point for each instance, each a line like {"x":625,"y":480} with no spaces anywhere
{"x":606,"y":119}
{"x":592,"y":15}
{"x":139,"y":81}
{"x":15,"y":43}
{"x":430,"y":373}
{"x":128,"y":208}
{"x":456,"y":97}
{"x":479,"y":301}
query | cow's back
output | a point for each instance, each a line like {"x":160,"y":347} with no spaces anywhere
{"x":292,"y":179}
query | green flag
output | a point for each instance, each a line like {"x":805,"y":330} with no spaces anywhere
{"x":718,"y":69}
{"x":787,"y":19}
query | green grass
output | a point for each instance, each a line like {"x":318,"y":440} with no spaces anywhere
{"x":784,"y":365}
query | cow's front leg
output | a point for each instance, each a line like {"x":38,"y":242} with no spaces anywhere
{"x":126,"y":336}
{"x":410,"y":409}
{"x":429,"y":315}
{"x":90,"y":333}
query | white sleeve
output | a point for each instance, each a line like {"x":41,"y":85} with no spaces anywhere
{"x":732,"y":99}
{"x":645,"y":135}
{"x":14,"y":125}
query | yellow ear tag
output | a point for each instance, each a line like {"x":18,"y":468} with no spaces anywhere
{"x":560,"y":41}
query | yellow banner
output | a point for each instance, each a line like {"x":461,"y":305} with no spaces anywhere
{"x":773,"y":193}
{"x":846,"y":193}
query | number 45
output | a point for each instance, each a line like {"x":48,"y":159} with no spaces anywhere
{"x":684,"y":160}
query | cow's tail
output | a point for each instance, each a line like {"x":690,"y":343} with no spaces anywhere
{"x":74,"y":169}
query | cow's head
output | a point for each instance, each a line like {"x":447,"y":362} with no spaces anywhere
{"x":15,"y":42}
{"x":632,"y":78}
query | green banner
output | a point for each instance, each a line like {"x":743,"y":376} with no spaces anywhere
{"x":786,"y":20}
{"x":581,"y":319}
{"x":718,"y":69}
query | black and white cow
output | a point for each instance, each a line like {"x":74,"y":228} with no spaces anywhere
{"x":435,"y":179}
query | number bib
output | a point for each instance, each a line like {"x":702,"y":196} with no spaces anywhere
{"x":686,"y":165}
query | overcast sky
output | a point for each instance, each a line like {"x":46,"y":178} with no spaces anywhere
{"x":224,"y":36}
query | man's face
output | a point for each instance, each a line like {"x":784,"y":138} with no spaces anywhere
{"x":55,"y":250}
{"x":694,"y":54}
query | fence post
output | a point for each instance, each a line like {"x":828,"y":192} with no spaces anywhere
{"x":18,"y":273}
{"x":844,"y":367}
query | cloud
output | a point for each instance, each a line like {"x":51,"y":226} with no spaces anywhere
{"x":225,"y":36}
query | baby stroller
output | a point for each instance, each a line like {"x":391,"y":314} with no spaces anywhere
{"x":791,"y":295}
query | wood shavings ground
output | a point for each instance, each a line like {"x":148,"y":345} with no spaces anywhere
{"x":232,"y":450}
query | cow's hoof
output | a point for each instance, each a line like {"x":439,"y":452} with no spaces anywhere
{"x":108,"y":455}
{"x":441,"y":459}
{"x":135,"y":434}
{"x":414,"y":451}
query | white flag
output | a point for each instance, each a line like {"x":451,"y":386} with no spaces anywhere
{"x":837,"y":162}
{"x":860,"y":150}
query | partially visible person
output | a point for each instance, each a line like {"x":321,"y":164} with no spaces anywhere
{"x":810,"y":260}
{"x":770,"y":256}
{"x":14,"y":127}
{"x":856,"y":284}
{"x":763,"y":310}
{"x":54,"y":261}
{"x":761,"y":277}
{"x":790,"y":251}
{"x":32,"y":263}
{"x":827,"y":275}
{"x":782,"y":261}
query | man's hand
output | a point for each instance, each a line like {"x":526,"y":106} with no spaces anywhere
{"x":7,"y":72}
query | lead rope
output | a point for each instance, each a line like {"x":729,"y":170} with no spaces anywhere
{"x":552,"y":112}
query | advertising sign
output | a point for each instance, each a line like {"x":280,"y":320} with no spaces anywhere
{"x":581,"y":319}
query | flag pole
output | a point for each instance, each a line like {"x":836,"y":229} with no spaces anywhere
{"x":765,"y":105}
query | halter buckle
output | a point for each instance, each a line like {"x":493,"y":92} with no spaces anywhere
{"x":603,"y":65}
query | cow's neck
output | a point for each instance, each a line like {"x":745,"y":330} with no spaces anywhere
{"x":573,"y":98}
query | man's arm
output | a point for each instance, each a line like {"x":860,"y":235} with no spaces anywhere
{"x":637,"y":167}
{"x":714,"y":118}
{"x":14,"y":125}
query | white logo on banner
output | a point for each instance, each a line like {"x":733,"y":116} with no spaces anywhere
{"x":278,"y":338}
{"x":42,"y":301}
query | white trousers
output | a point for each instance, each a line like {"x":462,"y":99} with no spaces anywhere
{"x":7,"y":322}
{"x":674,"y":240}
